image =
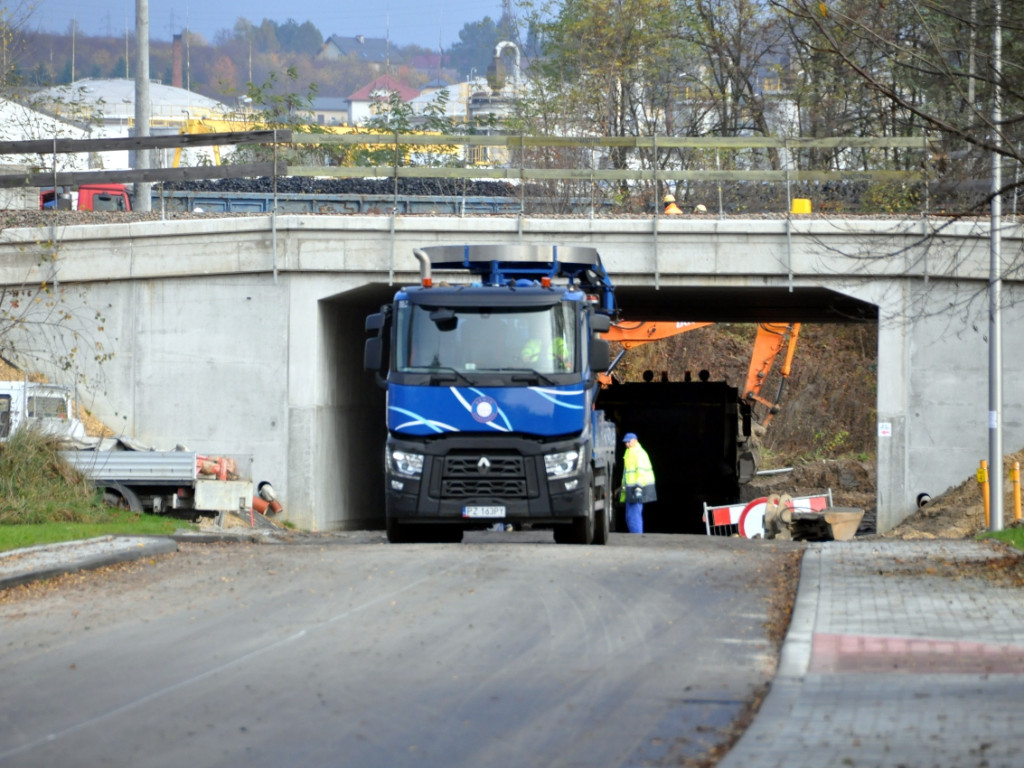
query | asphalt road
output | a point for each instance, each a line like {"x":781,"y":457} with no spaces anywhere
{"x":506,"y":650}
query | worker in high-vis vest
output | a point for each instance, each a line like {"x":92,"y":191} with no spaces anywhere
{"x":637,"y":483}
{"x":552,"y":357}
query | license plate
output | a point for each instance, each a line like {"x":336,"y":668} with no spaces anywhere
{"x":483,"y":511}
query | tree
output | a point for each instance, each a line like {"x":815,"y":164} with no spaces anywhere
{"x":13,"y":19}
{"x":608,"y":69}
{"x":48,"y":326}
{"x":921,"y":68}
{"x":296,"y":38}
{"x":475,"y":49}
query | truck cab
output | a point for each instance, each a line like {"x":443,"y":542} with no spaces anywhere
{"x":87,"y":197}
{"x":491,"y":387}
{"x":45,"y":407}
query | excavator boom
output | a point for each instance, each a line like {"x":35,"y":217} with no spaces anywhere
{"x":633,"y":334}
{"x":770,"y":340}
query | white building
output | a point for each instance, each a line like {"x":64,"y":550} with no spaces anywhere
{"x":108,"y":107}
{"x":22,"y":123}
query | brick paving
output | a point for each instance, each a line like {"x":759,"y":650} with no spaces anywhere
{"x":895,"y":659}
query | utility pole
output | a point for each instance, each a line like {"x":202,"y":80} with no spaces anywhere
{"x":995,"y":342}
{"x":143,"y":108}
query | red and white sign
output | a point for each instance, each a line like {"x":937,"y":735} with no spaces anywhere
{"x":749,"y":518}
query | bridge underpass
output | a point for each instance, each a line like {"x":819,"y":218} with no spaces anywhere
{"x":245,"y":334}
{"x":355,"y":438}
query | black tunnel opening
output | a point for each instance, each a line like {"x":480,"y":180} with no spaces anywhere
{"x":689,"y":428}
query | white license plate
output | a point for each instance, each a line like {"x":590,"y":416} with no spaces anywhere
{"x":483,"y":511}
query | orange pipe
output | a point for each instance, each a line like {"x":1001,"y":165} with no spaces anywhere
{"x":983,"y":481}
{"x":1015,"y":477}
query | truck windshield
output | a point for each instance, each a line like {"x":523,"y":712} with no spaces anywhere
{"x":541,"y":339}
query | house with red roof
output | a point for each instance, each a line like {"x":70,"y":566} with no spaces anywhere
{"x":360,"y":103}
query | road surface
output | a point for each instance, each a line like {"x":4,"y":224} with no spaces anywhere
{"x":505,"y":650}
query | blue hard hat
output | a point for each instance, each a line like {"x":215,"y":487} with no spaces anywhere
{"x":629,"y":436}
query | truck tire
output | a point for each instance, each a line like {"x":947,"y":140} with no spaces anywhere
{"x":602,"y":521}
{"x":581,"y":529}
{"x":120,"y":496}
{"x":396,"y":532}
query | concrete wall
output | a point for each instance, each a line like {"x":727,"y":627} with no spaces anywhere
{"x":245,"y":335}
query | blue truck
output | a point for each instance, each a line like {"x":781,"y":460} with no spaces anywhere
{"x":491,"y":387}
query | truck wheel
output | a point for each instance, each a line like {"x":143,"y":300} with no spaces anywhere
{"x":119,"y":496}
{"x":396,"y":532}
{"x":602,"y":523}
{"x":582,"y":528}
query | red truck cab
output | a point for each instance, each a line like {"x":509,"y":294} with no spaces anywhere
{"x":88,"y":197}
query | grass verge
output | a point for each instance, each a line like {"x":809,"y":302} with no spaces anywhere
{"x":44,"y":501}
{"x":1012,"y":536}
{"x":116,"y":523}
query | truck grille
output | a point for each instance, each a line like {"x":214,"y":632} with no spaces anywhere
{"x":479,"y":475}
{"x":467,"y":489}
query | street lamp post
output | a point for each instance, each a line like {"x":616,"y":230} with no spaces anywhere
{"x":995,"y":352}
{"x":143,"y":109}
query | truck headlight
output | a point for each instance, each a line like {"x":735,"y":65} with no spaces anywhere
{"x":405,"y":463}
{"x":561,"y":464}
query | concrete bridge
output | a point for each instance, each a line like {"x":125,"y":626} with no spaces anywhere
{"x":244,"y":335}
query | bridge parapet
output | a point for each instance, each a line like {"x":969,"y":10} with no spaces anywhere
{"x":634,"y":249}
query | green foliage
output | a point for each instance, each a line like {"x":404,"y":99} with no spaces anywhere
{"x":44,"y":500}
{"x":391,"y":115}
{"x":279,"y":103}
{"x":299,"y":38}
{"x":475,"y":48}
{"x":37,"y":486}
{"x":113,"y":523}
{"x":1012,"y":536}
{"x":891,"y":198}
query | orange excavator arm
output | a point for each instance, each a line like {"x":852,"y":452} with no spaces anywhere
{"x":633,"y":334}
{"x":771,"y":338}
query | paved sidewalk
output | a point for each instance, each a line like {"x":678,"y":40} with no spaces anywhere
{"x":21,"y":566}
{"x":893,"y":659}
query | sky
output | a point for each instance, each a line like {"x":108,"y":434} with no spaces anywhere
{"x":424,"y":22}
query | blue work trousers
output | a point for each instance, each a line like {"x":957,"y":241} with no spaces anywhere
{"x":635,"y":517}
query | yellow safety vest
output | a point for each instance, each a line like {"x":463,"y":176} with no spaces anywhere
{"x":636,"y":467}
{"x":531,"y":351}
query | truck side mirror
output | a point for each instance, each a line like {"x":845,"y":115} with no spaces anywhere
{"x":372,"y":354}
{"x":600,"y":355}
{"x":374,"y":322}
{"x":600,"y":323}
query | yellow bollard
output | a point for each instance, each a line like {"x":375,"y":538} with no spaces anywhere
{"x":1015,"y":477}
{"x":983,"y":481}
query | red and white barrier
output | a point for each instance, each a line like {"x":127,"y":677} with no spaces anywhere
{"x":747,"y":520}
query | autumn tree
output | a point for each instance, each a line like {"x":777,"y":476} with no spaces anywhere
{"x":13,"y":20}
{"x":918,"y":68}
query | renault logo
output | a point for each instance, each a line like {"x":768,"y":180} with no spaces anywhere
{"x":484,"y":464}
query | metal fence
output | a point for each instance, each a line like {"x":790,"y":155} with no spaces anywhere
{"x":597,"y":175}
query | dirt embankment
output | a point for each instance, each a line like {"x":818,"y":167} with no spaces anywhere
{"x":851,"y":482}
{"x":959,"y":513}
